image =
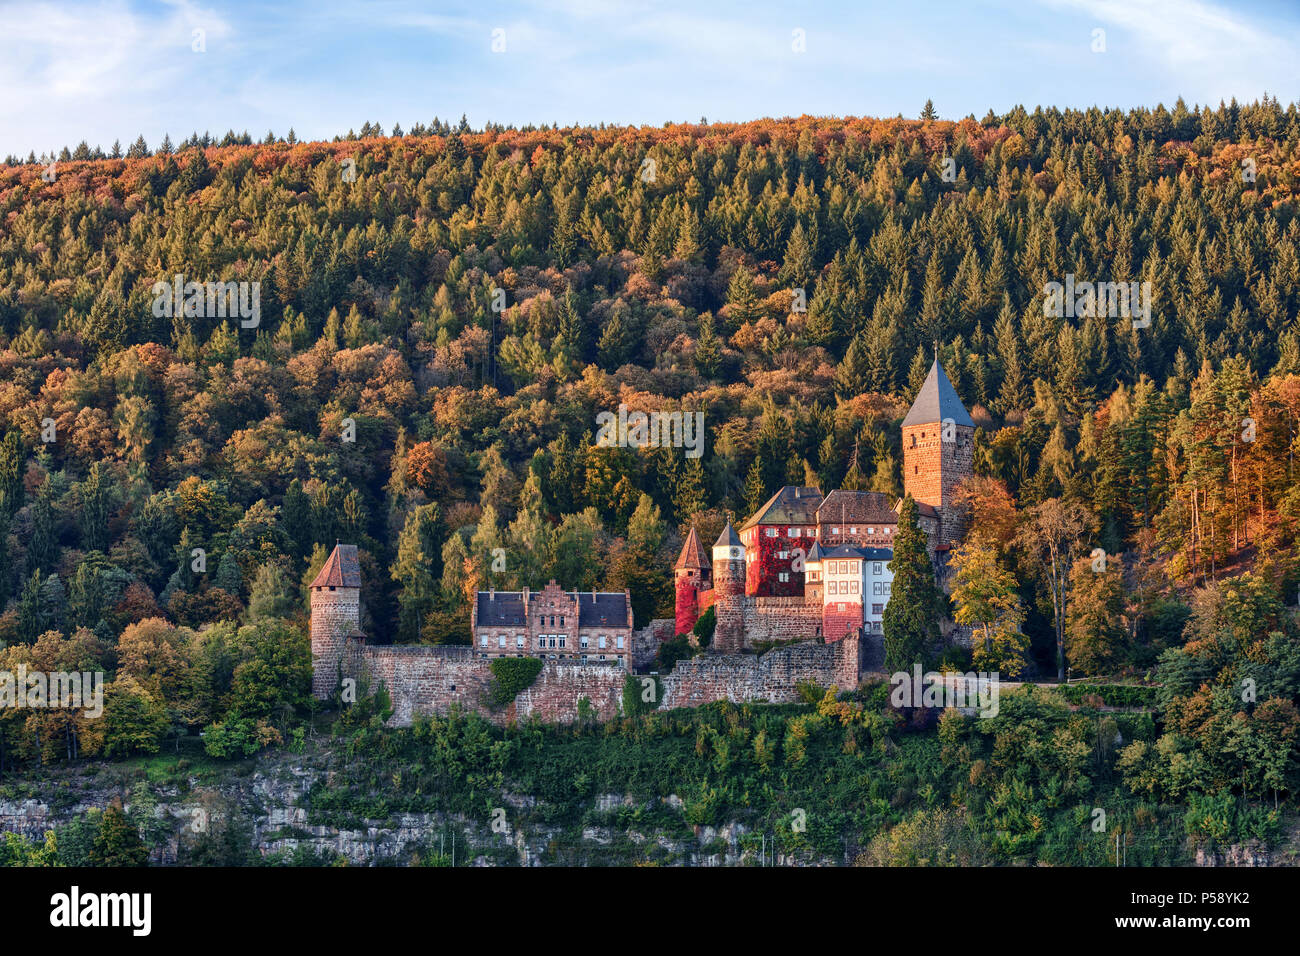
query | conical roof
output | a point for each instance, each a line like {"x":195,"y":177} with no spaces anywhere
{"x":816,"y":554}
{"x":341,"y":569}
{"x":728,"y":538}
{"x":936,"y":401}
{"x":693,"y":553}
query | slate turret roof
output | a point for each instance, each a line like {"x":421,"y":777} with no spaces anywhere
{"x":936,"y":401}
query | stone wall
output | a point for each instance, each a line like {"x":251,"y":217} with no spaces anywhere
{"x":431,"y":680}
{"x":645,"y":642}
{"x":771,"y":677}
{"x":776,"y":619}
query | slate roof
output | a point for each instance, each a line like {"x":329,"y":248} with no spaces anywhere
{"x":609,"y":609}
{"x":506,"y":609}
{"x":936,"y":401}
{"x":856,"y":507}
{"x":342,"y":569}
{"x":793,"y":504}
{"x":501,"y":609}
{"x":728,"y":538}
{"x":853,"y":551}
{"x":693,"y":553}
{"x":816,"y":554}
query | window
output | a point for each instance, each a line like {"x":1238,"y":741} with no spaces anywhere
{"x":620,"y":642}
{"x":771,"y":532}
{"x":482,"y":641}
{"x":875,"y":567}
{"x":519,"y":642}
{"x":888,"y":585}
{"x":835,"y":530}
{"x":583,"y":640}
{"x":853,"y":587}
{"x":501,"y":640}
{"x":783,"y":576}
{"x":877,"y":609}
{"x":876,"y":588}
{"x":561,"y":620}
{"x":794,"y":532}
{"x":831,"y":588}
{"x":600,"y":642}
{"x":562,"y":637}
{"x":853,"y":531}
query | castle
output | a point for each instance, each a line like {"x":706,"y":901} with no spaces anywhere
{"x":808,"y":565}
{"x":805,"y":580}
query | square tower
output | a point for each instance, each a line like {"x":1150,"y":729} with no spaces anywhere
{"x":938,"y":451}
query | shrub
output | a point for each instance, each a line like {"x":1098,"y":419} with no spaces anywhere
{"x":511,"y":676}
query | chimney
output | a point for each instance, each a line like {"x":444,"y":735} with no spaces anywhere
{"x":492,"y":593}
{"x":525,"y":594}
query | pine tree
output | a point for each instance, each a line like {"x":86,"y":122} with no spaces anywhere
{"x":911,"y":618}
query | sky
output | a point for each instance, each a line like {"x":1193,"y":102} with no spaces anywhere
{"x":116,"y":69}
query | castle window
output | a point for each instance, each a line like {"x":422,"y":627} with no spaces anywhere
{"x":913,"y":441}
{"x":482,"y":641}
{"x":561,"y":620}
{"x":600,"y":642}
{"x":835,"y":530}
{"x":583,"y":640}
{"x":618,"y":641}
{"x":853,"y":531}
{"x":783,"y":576}
{"x":501,"y":640}
{"x":519,"y":641}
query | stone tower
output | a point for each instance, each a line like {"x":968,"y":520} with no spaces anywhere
{"x":938,"y":451}
{"x":335,"y":616}
{"x":729,"y":590}
{"x":691,"y":574}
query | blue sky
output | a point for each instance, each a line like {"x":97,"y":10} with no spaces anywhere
{"x":115,"y":69}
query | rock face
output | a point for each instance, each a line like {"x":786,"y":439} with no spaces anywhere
{"x":272,"y":804}
{"x":1239,"y":854}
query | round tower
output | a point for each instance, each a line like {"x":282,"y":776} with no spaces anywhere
{"x":691,"y":574}
{"x":729,"y":590}
{"x":335,"y":614}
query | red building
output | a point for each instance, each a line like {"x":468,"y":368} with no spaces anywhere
{"x":784,"y":527}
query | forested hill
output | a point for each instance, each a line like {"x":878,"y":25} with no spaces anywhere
{"x":663,"y":268}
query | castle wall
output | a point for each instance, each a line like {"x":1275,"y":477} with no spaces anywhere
{"x":776,"y":619}
{"x":840,"y":617}
{"x":431,"y":680}
{"x":771,"y":677}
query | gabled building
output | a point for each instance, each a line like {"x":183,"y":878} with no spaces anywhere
{"x":554,"y":624}
{"x":786,"y":523}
